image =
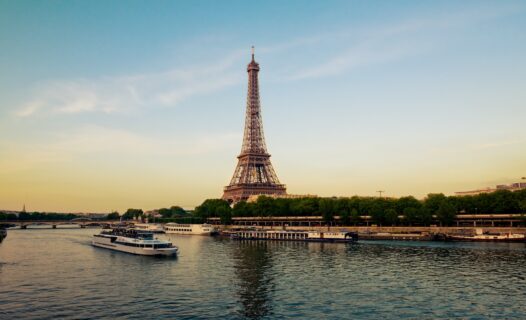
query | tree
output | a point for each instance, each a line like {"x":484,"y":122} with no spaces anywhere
{"x":305,"y":207}
{"x":210,"y":208}
{"x":24,"y":216}
{"x":113,"y":216}
{"x":345,"y":217}
{"x":504,"y":201}
{"x":282,"y":207}
{"x":264,"y":206}
{"x":424,"y":216}
{"x":433,"y":201}
{"x":378,"y":213}
{"x":132,"y":213}
{"x":165,"y":212}
{"x":177,"y":211}
{"x":355,"y":217}
{"x":446,"y":213}
{"x":241,"y":209}
{"x":327,"y":210}
{"x":391,"y":217}
{"x":410,"y":215}
{"x":407,"y":202}
{"x":225,"y":214}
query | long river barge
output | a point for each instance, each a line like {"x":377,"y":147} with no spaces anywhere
{"x":282,"y":235}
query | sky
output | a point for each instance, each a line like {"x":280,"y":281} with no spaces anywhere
{"x":109,"y":105}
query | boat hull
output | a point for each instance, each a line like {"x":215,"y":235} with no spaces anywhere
{"x":473,"y":239}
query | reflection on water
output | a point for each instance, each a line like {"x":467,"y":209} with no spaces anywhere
{"x":57,"y":274}
{"x":253,"y":267}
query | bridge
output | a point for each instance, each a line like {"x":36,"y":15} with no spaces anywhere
{"x":81,"y":222}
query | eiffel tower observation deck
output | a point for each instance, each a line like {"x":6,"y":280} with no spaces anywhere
{"x":254,"y":174}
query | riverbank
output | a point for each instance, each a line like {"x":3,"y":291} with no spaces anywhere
{"x":416,"y":233}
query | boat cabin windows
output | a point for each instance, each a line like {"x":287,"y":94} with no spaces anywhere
{"x":161,"y":245}
{"x":145,"y":236}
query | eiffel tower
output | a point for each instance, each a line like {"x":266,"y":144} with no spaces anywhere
{"x":254,"y":174}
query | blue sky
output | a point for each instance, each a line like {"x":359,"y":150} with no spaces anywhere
{"x":108,"y":105}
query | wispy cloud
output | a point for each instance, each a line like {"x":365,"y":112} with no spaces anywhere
{"x":496,"y":144}
{"x":366,"y":53}
{"x":474,"y":147}
{"x":367,"y":45}
{"x":379,"y":44}
{"x":97,"y":140}
{"x":131,"y":92}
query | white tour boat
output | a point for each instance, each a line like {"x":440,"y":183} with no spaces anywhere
{"x":204,"y":229}
{"x":150,"y":227}
{"x":133,"y":241}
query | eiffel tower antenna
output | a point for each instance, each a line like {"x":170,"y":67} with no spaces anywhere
{"x":254,"y":173}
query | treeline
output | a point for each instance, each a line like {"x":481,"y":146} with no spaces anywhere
{"x":434,"y":209}
{"x":172,"y":214}
{"x":41,"y":216}
{"x":7,"y":216}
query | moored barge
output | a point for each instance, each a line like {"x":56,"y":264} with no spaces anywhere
{"x":480,"y":236}
{"x":204,"y":229}
{"x":314,"y":236}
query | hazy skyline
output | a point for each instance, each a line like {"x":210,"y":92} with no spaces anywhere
{"x":112,"y":105}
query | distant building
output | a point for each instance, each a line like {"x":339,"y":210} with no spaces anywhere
{"x":511,"y":187}
{"x":154,"y":213}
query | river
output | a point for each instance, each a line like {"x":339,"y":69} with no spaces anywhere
{"x":50,"y":274}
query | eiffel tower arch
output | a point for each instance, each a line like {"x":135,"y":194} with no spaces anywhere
{"x":254,"y":174}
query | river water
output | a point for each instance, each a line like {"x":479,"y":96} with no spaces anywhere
{"x":57,"y":274}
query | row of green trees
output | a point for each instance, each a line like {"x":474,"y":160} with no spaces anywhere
{"x":8,"y":216}
{"x":435,"y":208}
{"x":172,"y":214}
{"x":26,"y":216}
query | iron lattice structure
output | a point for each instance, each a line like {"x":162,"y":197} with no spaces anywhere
{"x":254,"y":173}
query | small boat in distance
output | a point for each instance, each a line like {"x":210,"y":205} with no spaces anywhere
{"x":479,"y":235}
{"x":313,"y":236}
{"x":204,"y":229}
{"x":133,"y":241}
{"x":150,"y":227}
